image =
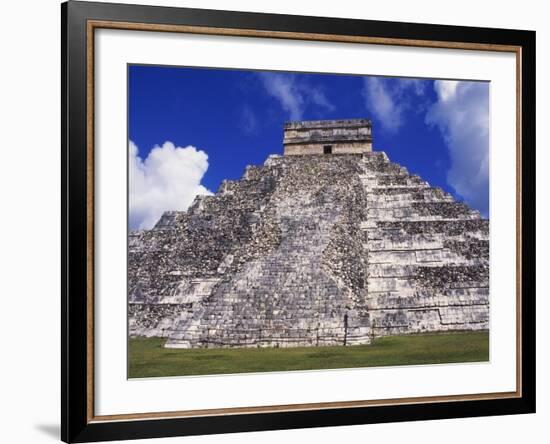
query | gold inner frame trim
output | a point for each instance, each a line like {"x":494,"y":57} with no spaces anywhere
{"x":97,"y":24}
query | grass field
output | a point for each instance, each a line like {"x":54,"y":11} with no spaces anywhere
{"x":147,"y":357}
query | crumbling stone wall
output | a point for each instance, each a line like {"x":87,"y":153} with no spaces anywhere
{"x":311,"y":250}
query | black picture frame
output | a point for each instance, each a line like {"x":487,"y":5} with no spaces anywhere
{"x":77,"y":424}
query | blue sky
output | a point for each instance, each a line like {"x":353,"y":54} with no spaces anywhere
{"x":190,"y":128}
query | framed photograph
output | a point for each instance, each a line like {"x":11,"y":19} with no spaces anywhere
{"x":276,"y":221}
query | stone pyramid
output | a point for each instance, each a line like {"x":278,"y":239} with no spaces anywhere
{"x":310,"y":250}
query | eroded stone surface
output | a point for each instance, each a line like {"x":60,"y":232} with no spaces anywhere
{"x":311,"y":250}
{"x":327,"y":137}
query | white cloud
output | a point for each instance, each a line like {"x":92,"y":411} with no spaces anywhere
{"x":446,"y":89}
{"x":292,"y":95}
{"x":169,"y":178}
{"x":388,"y":99}
{"x":462,"y":115}
{"x":417,"y":85}
{"x":316,"y":96}
{"x":382,"y":104}
{"x":249,"y":121}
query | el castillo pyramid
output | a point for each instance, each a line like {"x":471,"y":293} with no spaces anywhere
{"x":331,"y":243}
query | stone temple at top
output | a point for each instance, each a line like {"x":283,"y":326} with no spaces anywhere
{"x":328,"y":137}
{"x":330,"y":244}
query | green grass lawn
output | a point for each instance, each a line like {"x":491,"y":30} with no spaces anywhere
{"x":147,"y":357}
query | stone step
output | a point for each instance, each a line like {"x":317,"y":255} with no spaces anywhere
{"x":406,"y":299}
{"x":448,"y":227}
{"x":415,"y":257}
{"x":405,"y":199}
{"x":412,"y":214}
{"x":418,"y":242}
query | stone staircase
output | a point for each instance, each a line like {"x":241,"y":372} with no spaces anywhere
{"x":287,"y":297}
{"x":427,"y":255}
